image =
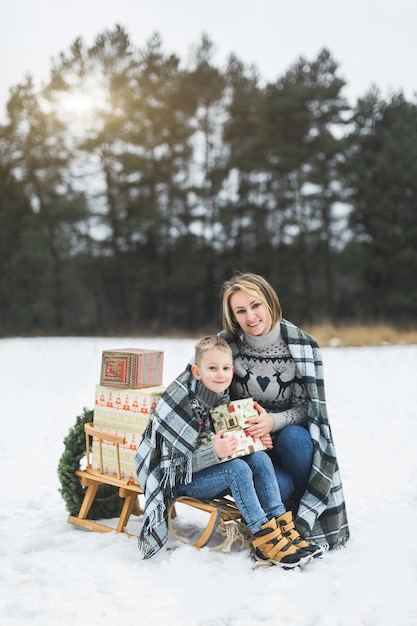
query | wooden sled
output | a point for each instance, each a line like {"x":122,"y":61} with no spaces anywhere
{"x":219,"y":510}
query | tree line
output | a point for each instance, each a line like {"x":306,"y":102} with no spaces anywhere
{"x":132,"y":184}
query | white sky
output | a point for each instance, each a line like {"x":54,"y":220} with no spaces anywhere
{"x":373,"y":41}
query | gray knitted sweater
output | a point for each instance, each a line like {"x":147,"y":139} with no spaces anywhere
{"x":266,"y":371}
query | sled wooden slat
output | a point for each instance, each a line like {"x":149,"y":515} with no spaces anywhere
{"x":103,"y":437}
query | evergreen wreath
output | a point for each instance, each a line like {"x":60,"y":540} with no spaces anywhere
{"x":107,"y":503}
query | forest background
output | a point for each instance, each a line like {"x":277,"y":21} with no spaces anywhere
{"x":132,"y":184}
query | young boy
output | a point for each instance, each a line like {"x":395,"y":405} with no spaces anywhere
{"x":213,"y":371}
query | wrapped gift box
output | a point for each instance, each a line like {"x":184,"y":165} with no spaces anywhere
{"x":131,"y":368}
{"x":233,"y":416}
{"x":124,"y":412}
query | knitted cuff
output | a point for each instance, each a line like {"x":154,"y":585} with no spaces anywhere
{"x":204,"y":456}
{"x":279,"y":421}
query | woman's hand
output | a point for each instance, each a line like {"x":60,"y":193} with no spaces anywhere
{"x":224,"y":446}
{"x":267,"y":441}
{"x":260,"y":425}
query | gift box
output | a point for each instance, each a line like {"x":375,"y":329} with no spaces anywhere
{"x":233,"y":416}
{"x":123,"y":412}
{"x":131,"y":368}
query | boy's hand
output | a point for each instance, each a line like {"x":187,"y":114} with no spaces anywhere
{"x":224,"y":446}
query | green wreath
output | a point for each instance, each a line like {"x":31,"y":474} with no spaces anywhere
{"x":107,"y":503}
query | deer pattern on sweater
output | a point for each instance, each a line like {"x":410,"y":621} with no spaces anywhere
{"x":270,"y":376}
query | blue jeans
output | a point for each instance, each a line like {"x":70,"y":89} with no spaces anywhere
{"x":250,"y":480}
{"x":292,"y":457}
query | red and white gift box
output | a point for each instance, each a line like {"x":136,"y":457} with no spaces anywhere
{"x":131,"y":368}
{"x":123,"y":412}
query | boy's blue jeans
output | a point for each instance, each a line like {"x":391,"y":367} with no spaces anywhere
{"x":252,"y":482}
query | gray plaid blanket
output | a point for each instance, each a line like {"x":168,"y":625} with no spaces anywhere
{"x":322,"y":513}
{"x":163,"y":458}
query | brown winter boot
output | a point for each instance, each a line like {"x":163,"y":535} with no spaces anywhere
{"x":286,"y":524}
{"x":270,"y":546}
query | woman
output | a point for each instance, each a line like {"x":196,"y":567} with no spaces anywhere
{"x":280,"y":366}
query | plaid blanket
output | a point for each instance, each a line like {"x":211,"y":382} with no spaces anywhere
{"x":322,"y":512}
{"x":163,"y":458}
{"x":321,"y":516}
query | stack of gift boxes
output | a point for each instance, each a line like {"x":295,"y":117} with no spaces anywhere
{"x":130,"y":387}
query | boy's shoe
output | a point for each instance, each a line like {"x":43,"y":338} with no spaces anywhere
{"x":270,"y":546}
{"x":286,"y":524}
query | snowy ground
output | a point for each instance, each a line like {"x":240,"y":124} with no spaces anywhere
{"x":54,"y":573}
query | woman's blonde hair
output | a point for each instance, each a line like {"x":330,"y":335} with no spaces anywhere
{"x":252,"y":283}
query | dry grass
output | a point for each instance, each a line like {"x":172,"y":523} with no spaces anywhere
{"x":356,"y":335}
{"x":335,"y":335}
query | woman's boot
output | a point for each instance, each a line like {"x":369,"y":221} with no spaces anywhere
{"x":286,"y":524}
{"x":270,"y":546}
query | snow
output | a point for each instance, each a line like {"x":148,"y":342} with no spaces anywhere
{"x":55,"y":573}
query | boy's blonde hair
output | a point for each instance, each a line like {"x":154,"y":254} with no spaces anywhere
{"x":206,"y":343}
